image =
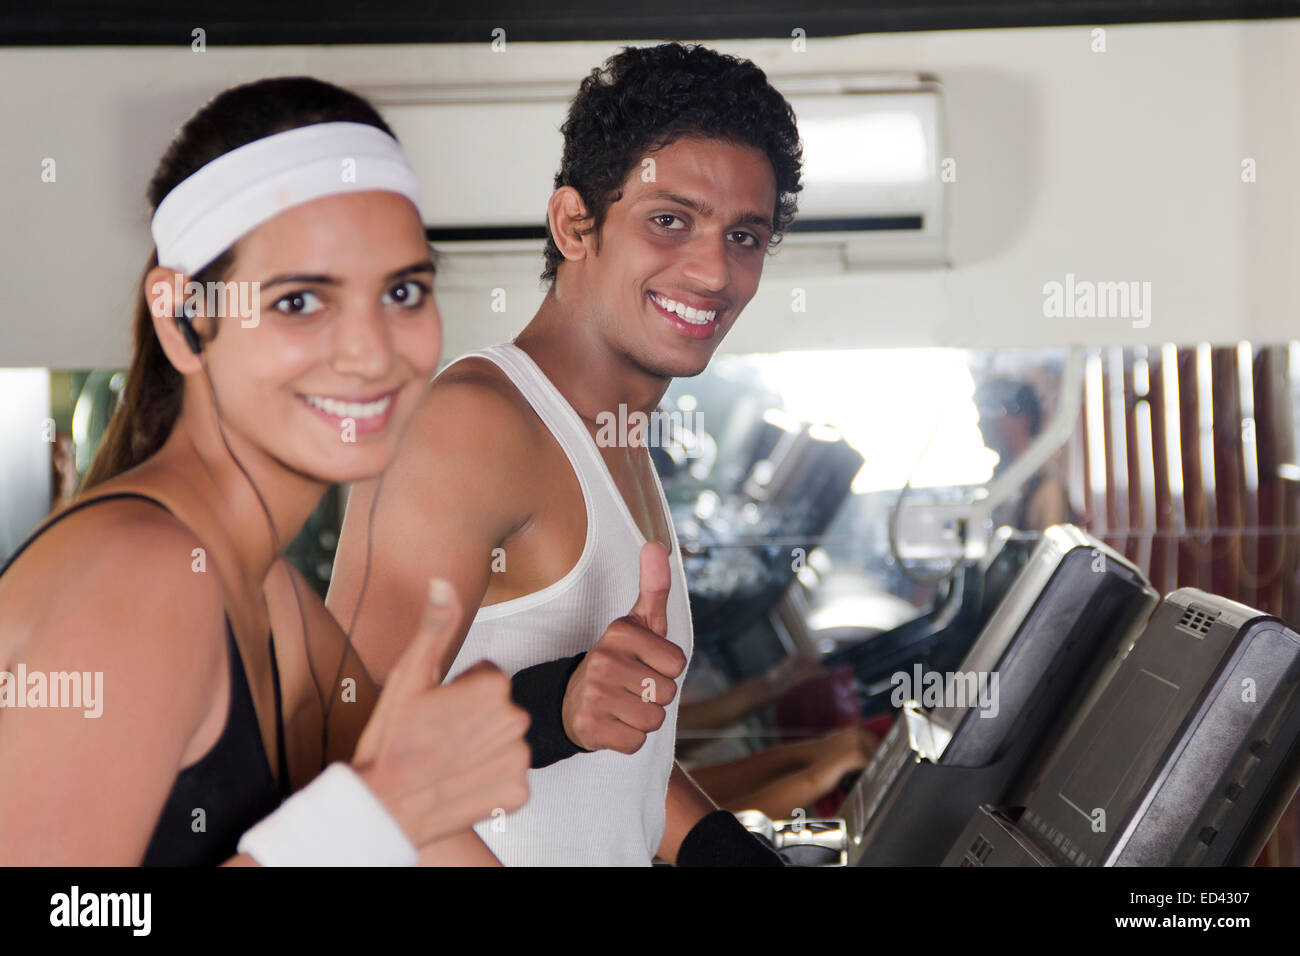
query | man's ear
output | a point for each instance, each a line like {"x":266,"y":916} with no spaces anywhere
{"x":164,"y":295}
{"x":569,"y":221}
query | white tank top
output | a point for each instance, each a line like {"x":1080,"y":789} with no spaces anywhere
{"x":593,"y":809}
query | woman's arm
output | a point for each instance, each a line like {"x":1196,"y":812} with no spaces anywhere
{"x":463,"y":849}
{"x":431,"y":785}
{"x":352,"y":705}
{"x":86,"y":789}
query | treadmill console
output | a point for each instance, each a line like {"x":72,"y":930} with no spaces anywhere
{"x":1186,"y":757}
{"x":965,"y":738}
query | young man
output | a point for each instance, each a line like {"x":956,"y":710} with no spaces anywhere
{"x":679,"y":171}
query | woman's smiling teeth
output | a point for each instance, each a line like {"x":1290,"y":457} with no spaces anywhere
{"x":684,"y":311}
{"x":354,"y":410}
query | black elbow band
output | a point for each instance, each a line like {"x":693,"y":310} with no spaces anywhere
{"x":719,"y":839}
{"x":540,"y":691}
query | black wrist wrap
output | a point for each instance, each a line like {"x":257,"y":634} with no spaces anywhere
{"x":719,"y":839}
{"x":540,"y":691}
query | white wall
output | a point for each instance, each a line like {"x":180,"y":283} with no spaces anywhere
{"x":1123,"y":165}
{"x":26,"y":429}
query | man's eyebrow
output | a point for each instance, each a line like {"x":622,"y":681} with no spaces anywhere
{"x":756,"y":219}
{"x":704,"y":209}
{"x":310,"y":279}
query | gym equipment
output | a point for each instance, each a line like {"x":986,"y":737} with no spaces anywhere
{"x":965,"y":743}
{"x":1186,"y":756}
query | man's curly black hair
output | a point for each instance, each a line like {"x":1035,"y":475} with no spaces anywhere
{"x":644,"y":98}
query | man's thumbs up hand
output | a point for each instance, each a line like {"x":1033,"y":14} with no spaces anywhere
{"x":618,"y":693}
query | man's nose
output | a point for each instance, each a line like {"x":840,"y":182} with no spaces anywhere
{"x":707,"y":263}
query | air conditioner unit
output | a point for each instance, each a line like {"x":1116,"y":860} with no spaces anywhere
{"x":874,"y":169}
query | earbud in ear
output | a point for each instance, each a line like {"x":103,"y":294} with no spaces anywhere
{"x":185,"y":322}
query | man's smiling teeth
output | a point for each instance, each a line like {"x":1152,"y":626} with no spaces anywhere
{"x":353,"y":410}
{"x":684,"y":312}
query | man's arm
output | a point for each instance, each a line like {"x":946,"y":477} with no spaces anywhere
{"x":456,"y":490}
{"x":299,"y":672}
{"x":697,"y":833}
{"x":684,"y":807}
{"x":451,"y":495}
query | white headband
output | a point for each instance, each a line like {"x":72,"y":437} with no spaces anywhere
{"x":238,"y":191}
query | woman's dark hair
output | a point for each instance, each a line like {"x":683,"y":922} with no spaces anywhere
{"x":151,"y":400}
{"x":645,"y":98}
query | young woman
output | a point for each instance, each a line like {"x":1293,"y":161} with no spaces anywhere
{"x":222,"y":683}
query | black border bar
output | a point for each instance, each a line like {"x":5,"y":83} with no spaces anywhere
{"x":301,"y":22}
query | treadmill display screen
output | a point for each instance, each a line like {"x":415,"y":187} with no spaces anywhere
{"x":1098,"y":786}
{"x":1131,"y":728}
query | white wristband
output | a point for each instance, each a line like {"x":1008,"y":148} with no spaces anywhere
{"x":333,"y":821}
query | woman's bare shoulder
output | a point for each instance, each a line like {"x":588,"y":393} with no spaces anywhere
{"x":111,"y":599}
{"x":124,"y":578}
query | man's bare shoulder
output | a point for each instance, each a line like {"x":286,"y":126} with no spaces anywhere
{"x":474,"y":405}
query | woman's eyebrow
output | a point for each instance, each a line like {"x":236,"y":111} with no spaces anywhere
{"x":300,"y":280}
{"x":426,"y":266}
{"x":310,"y":279}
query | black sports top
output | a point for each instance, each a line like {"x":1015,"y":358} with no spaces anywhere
{"x":232,"y":783}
